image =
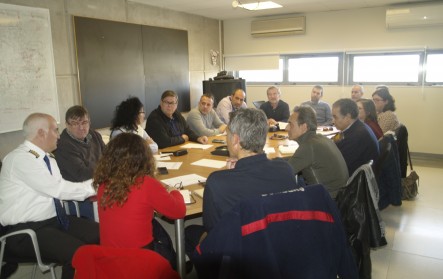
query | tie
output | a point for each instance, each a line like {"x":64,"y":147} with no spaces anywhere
{"x":61,"y":214}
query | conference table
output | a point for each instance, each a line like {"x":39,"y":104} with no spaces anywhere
{"x":272,"y":149}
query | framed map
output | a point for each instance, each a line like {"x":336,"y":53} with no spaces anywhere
{"x":27,"y":72}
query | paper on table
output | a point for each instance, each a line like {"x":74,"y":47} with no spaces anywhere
{"x":199,"y":192}
{"x":282,"y":125}
{"x":196,"y":145}
{"x":162,"y":157}
{"x":287,"y":149}
{"x":185,"y":180}
{"x":217,"y":164}
{"x":269,"y":150}
{"x":186,"y":195}
{"x":169,"y":165}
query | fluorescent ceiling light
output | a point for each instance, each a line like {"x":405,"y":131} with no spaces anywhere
{"x":257,"y":5}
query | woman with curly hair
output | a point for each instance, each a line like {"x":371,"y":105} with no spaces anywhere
{"x":385,"y":107}
{"x":367,"y":114}
{"x":128,"y":117}
{"x":128,"y":194}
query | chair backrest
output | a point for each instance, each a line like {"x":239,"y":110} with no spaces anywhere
{"x":402,"y":143}
{"x":278,"y":236}
{"x":258,"y":104}
{"x":101,"y":262}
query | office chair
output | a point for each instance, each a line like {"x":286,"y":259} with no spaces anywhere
{"x":296,"y":234}
{"x":258,"y":104}
{"x":8,"y":258}
{"x":358,"y":206}
{"x":102,"y":262}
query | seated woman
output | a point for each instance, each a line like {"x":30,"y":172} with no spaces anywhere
{"x":367,"y":114}
{"x":385,"y":107}
{"x":128,"y":195}
{"x":128,"y":117}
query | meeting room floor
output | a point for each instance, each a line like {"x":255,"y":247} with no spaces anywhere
{"x":414,"y":232}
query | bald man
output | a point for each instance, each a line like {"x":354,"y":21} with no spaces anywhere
{"x":231,"y":103}
{"x":31,"y":188}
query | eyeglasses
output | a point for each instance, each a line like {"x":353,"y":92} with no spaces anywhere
{"x":377,"y":100}
{"x":78,"y":124}
{"x":179,"y":186}
{"x":169,"y":103}
{"x":140,"y":112}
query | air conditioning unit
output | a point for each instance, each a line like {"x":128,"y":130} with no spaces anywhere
{"x":414,"y":16}
{"x":278,"y":26}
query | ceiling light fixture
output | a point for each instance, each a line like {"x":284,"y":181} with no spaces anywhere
{"x":256,"y":5}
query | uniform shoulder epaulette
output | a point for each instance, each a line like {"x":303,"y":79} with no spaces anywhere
{"x":51,"y":155}
{"x":34,"y":153}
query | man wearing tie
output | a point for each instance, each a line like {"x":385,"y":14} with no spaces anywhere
{"x":31,"y":190}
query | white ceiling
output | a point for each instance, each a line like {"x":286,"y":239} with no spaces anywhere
{"x":222,"y":9}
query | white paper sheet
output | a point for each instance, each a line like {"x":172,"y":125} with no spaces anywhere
{"x":287,"y":149}
{"x":162,"y":157}
{"x":186,"y":196}
{"x":185,"y":180}
{"x":199,"y":192}
{"x":169,"y":165}
{"x":282,"y":125}
{"x":196,"y":145}
{"x":269,"y":150}
{"x":217,"y":164}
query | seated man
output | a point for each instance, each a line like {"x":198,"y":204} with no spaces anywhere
{"x":356,"y":141}
{"x":275,"y":109}
{"x":167,"y":126}
{"x":357,"y":92}
{"x":250,"y":173}
{"x":231,"y":103}
{"x":322,"y":109}
{"x":78,"y":150}
{"x":31,"y":187}
{"x":203,"y":120}
{"x":317,"y":157}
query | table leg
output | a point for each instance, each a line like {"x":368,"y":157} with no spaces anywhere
{"x":180,"y":244}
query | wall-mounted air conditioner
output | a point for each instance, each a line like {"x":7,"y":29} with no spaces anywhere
{"x":414,"y":16}
{"x":278,"y":26}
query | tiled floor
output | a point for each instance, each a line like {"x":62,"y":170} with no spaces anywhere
{"x":414,"y":232}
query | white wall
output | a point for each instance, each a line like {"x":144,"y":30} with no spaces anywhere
{"x":356,"y":30}
{"x":203,"y":35}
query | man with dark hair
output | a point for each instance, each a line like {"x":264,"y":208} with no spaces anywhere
{"x":31,"y":188}
{"x":231,"y":103}
{"x":167,"y":126}
{"x":317,"y":158}
{"x":322,"y":109}
{"x":275,"y":109}
{"x":356,"y":141}
{"x":203,"y":120}
{"x":78,"y":151}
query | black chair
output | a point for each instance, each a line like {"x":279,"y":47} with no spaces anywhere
{"x":402,"y":142}
{"x":258,"y":104}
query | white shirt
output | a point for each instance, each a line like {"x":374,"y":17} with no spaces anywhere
{"x":27,"y":188}
{"x":141,"y":132}
{"x":224,"y":107}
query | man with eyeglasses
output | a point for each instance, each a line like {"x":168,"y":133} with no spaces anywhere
{"x":78,"y":150}
{"x":167,"y":126}
{"x":231,"y":103}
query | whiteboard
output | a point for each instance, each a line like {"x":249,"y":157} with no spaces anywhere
{"x":27,"y":72}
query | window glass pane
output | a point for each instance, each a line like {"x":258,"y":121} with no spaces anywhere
{"x":263,"y":75}
{"x":313,"y":69}
{"x":434,"y":68}
{"x":386,"y":68}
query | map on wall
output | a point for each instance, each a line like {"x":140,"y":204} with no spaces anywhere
{"x":27,"y":72}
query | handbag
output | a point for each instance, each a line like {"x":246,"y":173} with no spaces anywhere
{"x":410,"y":183}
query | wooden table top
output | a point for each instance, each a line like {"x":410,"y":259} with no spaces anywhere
{"x":198,"y":154}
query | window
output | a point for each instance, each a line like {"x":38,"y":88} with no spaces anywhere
{"x":318,"y":69}
{"x":434,"y":68}
{"x":400,"y":68}
{"x":263,"y":75}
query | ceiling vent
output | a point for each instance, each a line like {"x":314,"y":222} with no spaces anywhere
{"x":278,"y":27}
{"x":414,"y":16}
